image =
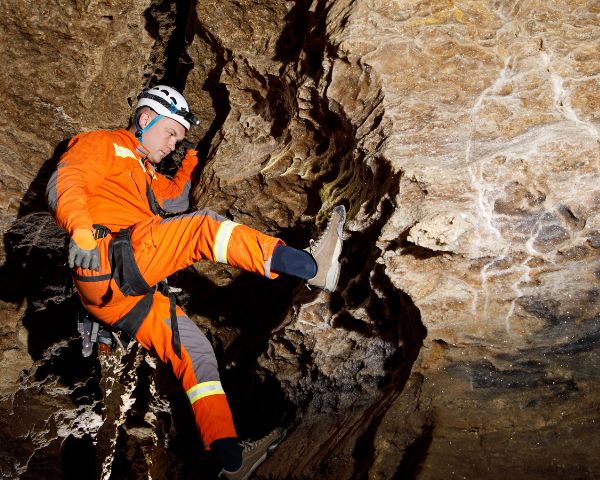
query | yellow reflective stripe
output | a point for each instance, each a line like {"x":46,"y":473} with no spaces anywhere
{"x":204,"y":389}
{"x":222,"y":240}
{"x":123,"y":151}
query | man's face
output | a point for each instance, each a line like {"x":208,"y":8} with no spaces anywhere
{"x":162,"y":137}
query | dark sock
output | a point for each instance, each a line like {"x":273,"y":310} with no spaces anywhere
{"x":293,"y":262}
{"x":229,"y":452}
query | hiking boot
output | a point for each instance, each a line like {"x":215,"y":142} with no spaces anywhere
{"x":326,"y":252}
{"x":255,"y":453}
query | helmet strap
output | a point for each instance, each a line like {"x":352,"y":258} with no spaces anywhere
{"x":139,"y":131}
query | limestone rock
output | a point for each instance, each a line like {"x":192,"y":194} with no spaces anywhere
{"x":463,"y":138}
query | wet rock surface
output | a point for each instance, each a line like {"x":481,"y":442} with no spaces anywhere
{"x":463,"y":139}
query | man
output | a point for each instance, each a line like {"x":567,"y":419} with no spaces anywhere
{"x":126,"y":237}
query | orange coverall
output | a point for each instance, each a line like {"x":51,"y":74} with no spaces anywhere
{"x":102,"y":179}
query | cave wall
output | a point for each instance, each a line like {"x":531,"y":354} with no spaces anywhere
{"x":462,"y":136}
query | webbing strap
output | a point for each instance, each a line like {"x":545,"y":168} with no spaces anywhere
{"x":139,"y":132}
{"x":130,"y":323}
{"x":174,"y":325}
{"x":92,"y":278}
{"x":125,"y":270}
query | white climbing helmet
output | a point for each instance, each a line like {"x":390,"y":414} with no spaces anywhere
{"x":168,"y":102}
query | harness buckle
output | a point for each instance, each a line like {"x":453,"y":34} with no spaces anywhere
{"x":100,"y":231}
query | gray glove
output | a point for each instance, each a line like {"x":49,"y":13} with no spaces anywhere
{"x":83,"y":251}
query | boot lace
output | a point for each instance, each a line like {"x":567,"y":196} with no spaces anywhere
{"x":248,"y":445}
{"x":314,"y":244}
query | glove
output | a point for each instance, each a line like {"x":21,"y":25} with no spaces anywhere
{"x":83,"y":250}
{"x":187,"y":145}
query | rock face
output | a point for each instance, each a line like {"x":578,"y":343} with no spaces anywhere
{"x":463,"y":138}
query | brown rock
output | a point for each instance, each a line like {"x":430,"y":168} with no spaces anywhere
{"x":463,"y":139}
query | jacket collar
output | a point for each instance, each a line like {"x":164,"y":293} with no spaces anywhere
{"x":138,"y":148}
{"x":140,"y":152}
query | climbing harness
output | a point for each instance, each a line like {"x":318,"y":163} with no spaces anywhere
{"x":130,"y":281}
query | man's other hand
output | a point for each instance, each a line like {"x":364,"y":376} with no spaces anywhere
{"x":83,"y":250}
{"x":187,"y":145}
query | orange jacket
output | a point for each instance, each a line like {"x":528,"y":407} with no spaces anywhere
{"x":102,"y":179}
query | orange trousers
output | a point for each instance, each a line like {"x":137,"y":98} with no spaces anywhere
{"x":162,"y":247}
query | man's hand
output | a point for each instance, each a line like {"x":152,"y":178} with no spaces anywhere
{"x":83,"y":250}
{"x":187,"y":145}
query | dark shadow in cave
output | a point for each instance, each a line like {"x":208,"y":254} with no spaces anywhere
{"x":301,"y":23}
{"x":78,"y":455}
{"x":217,"y":91}
{"x":178,"y":64}
{"x":396,"y":320}
{"x":291,"y":42}
{"x":400,"y":323}
{"x":414,"y":456}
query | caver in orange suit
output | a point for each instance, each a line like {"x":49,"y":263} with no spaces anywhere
{"x":102,"y":179}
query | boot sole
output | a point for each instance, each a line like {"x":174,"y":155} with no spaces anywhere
{"x":333,"y":275}
{"x":330,"y":279}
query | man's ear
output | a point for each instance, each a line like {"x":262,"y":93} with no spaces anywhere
{"x":144,"y":119}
